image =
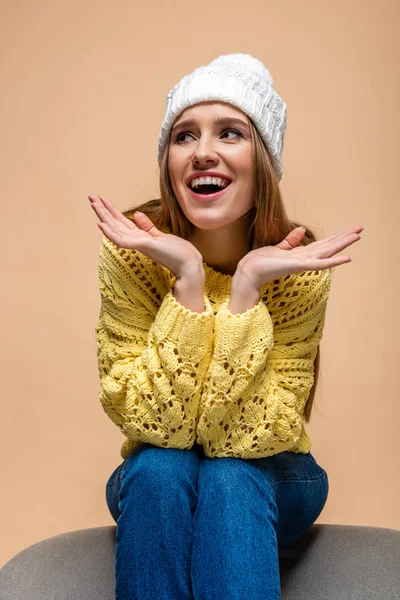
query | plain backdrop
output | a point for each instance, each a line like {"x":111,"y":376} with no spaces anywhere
{"x":83,"y":92}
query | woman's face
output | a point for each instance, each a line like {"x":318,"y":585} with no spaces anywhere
{"x":205,"y":146}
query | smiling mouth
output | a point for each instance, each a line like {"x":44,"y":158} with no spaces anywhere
{"x":208,"y":189}
{"x":207,"y":196}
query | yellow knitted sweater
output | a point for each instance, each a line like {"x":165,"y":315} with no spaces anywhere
{"x":235,"y":383}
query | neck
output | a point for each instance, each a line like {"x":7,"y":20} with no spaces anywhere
{"x":223,"y":248}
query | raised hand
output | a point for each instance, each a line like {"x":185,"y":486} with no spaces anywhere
{"x":171,"y":251}
{"x":272,"y":262}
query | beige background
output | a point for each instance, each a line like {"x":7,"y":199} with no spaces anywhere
{"x":83,"y":91}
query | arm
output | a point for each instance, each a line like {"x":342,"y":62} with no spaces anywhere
{"x":151,"y":359}
{"x":261,"y":370}
{"x":190,"y":294}
{"x":242,"y":296}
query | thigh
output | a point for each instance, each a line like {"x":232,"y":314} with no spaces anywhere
{"x":113,"y":485}
{"x":112,"y":491}
{"x":301,"y":490}
{"x":154,"y":459}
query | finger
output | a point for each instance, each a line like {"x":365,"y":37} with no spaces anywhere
{"x":119,"y":238}
{"x":333,"y":244}
{"x":292,"y":239}
{"x":110,"y":233}
{"x":116,"y":213}
{"x":146,"y":224}
{"x":318,"y":264}
{"x":105,"y":215}
{"x":328,"y":249}
{"x":99,"y":209}
{"x":338,"y":236}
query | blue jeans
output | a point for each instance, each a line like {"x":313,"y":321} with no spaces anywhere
{"x":191,"y":527}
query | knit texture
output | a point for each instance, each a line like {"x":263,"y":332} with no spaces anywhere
{"x":235,"y":383}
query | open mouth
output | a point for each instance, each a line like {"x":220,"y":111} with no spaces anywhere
{"x":208,"y":191}
{"x":208,"y":188}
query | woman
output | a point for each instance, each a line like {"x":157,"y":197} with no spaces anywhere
{"x":213,"y":308}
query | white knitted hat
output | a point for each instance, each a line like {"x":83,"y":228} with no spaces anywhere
{"x":240,"y":80}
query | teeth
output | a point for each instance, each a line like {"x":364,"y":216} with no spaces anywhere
{"x":209,"y":181}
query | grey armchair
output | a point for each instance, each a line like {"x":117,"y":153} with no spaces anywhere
{"x":330,"y":562}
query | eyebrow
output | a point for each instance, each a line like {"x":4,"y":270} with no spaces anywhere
{"x":216,"y":121}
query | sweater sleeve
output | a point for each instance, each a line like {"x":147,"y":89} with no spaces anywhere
{"x":262,"y":370}
{"x":152,"y":357}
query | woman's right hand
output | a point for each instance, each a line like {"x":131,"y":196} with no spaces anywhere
{"x":171,"y":251}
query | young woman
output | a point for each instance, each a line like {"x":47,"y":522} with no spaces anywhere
{"x":212,"y":309}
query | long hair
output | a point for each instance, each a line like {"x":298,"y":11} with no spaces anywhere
{"x":268,"y":221}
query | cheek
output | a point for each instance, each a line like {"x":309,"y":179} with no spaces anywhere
{"x":243,"y":168}
{"x":172,"y":166}
{"x":175,"y":170}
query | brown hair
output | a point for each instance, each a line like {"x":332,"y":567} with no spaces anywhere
{"x":268,"y":220}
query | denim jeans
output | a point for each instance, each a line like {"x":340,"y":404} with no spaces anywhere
{"x":191,"y":527}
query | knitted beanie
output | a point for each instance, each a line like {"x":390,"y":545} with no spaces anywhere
{"x":240,"y":80}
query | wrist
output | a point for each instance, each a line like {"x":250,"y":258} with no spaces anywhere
{"x":244,"y":294}
{"x":192,"y":273}
{"x":189,"y":291}
{"x":244,"y":284}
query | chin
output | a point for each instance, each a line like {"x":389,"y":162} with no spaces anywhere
{"x":207,"y":219}
{"x":211,"y":224}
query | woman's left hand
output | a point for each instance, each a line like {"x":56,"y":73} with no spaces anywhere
{"x":272,"y":262}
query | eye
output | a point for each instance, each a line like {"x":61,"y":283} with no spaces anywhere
{"x":184,"y":133}
{"x":233,"y":131}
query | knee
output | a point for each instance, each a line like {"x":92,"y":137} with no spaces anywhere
{"x":233,"y":478}
{"x":223,"y":474}
{"x":157,"y":467}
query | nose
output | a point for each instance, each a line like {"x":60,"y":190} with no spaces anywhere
{"x":205,"y":150}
